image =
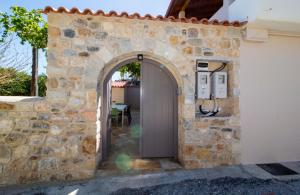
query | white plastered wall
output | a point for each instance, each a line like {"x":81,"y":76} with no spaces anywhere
{"x":270,"y":100}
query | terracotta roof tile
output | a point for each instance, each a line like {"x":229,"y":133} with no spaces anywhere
{"x":193,"y":20}
{"x":119,"y":84}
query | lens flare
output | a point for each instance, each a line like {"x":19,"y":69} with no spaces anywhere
{"x":123,"y":162}
{"x":135,"y":131}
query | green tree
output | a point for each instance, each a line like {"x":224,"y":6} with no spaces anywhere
{"x":18,"y":83}
{"x":12,"y":58}
{"x":31,"y":28}
{"x":134,"y":70}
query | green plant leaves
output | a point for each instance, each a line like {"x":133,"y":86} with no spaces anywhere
{"x":134,"y":70}
{"x":29,"y":26}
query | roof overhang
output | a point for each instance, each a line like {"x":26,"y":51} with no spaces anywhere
{"x":194,"y":8}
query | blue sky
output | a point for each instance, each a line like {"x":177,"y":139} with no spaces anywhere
{"x":153,"y":7}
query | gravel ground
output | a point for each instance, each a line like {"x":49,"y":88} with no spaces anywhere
{"x":226,"y":186}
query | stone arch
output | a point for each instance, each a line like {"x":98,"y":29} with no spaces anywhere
{"x":109,"y":66}
{"x":107,"y":71}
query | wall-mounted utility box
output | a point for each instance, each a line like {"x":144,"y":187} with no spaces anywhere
{"x":202,"y":65}
{"x":203,"y":83}
{"x":219,"y":85}
{"x":203,"y":80}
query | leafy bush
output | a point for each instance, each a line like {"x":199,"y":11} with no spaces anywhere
{"x":42,"y":85}
{"x":17,"y":83}
{"x":134,"y":70}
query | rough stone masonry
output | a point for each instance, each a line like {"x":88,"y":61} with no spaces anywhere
{"x":58,"y":137}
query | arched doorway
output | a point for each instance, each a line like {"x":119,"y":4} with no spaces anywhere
{"x":159,"y":111}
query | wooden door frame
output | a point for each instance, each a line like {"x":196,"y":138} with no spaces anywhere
{"x":104,"y":111}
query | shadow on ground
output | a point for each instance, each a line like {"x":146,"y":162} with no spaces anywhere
{"x":221,"y":186}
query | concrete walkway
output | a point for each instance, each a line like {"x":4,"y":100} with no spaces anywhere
{"x":107,"y":185}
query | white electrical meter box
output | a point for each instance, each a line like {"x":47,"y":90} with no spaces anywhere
{"x":219,"y":85}
{"x":203,"y":84}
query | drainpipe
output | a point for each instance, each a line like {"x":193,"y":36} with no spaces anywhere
{"x":182,"y":11}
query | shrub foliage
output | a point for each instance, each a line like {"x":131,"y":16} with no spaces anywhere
{"x":18,"y":83}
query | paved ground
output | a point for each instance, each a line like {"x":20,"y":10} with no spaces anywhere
{"x":124,"y":157}
{"x":248,"y":179}
{"x":224,"y":186}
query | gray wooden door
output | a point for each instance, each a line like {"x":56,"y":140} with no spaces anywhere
{"x":158,"y":112}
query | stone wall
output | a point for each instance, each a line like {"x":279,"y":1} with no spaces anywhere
{"x":55,"y":138}
{"x":38,"y":142}
{"x":211,"y":142}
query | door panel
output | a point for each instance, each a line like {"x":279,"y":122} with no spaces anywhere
{"x":159,"y":112}
{"x":106,"y":120}
{"x":109,"y":124}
